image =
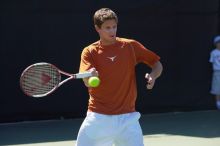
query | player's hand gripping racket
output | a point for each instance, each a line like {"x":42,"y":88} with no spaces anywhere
{"x":41,"y":79}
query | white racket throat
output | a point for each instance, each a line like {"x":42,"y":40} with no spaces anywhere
{"x":83,"y":75}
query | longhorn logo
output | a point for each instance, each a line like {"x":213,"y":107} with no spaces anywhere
{"x":112,"y":58}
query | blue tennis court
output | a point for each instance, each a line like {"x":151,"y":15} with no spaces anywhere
{"x":200,"y":128}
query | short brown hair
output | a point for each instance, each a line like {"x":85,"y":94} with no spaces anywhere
{"x":102,"y":15}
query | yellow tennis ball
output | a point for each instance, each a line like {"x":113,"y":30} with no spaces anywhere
{"x":94,"y":82}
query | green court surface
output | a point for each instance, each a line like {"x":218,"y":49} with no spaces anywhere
{"x":200,"y":128}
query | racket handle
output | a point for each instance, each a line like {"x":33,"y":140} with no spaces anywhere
{"x":82,"y":75}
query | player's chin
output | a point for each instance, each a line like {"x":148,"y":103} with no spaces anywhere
{"x":112,"y":38}
{"x":149,"y":87}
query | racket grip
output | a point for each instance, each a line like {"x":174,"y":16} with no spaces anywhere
{"x":83,"y":75}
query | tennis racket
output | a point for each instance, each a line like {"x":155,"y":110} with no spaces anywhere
{"x":41,"y":79}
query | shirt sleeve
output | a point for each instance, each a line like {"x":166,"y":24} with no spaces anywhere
{"x":86,"y":61}
{"x":144,"y":55}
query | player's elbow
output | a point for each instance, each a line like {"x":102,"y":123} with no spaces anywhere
{"x":159,"y":66}
{"x":157,"y":69}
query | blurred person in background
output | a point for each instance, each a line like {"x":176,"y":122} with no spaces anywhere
{"x":215,"y":60}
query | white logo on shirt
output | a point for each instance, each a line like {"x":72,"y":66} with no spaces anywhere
{"x":112,"y":58}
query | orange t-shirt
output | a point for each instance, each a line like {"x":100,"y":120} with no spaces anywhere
{"x":115,"y":64}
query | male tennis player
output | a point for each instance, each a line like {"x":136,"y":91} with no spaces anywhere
{"x":112,"y":118}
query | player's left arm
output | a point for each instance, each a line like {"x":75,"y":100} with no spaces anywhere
{"x":156,"y":71}
{"x":151,"y":59}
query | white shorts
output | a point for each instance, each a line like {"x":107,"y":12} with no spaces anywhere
{"x":106,"y":130}
{"x":216,"y":83}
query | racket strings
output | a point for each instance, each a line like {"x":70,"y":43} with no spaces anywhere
{"x":40,"y":79}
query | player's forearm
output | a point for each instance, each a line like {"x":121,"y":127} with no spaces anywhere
{"x":85,"y":80}
{"x":156,"y":70}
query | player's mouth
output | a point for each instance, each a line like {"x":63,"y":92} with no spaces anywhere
{"x":112,"y":36}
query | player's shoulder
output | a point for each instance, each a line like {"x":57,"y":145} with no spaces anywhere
{"x":126,"y":40}
{"x":91,"y":47}
{"x":132,"y":42}
{"x":94,"y":45}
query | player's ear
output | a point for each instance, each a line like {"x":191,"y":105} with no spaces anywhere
{"x":97,"y":28}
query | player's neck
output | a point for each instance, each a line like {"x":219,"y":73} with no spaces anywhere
{"x":104,"y":42}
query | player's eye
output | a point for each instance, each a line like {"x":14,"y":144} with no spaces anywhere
{"x":108,"y":27}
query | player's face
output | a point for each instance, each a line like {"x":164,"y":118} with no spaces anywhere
{"x":108,"y":31}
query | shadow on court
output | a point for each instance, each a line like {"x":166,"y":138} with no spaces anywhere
{"x":39,"y":132}
{"x":204,"y":124}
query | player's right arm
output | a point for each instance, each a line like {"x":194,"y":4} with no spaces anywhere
{"x":87,"y":64}
{"x":94,"y":73}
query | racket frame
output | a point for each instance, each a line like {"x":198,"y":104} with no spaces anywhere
{"x":60,"y":72}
